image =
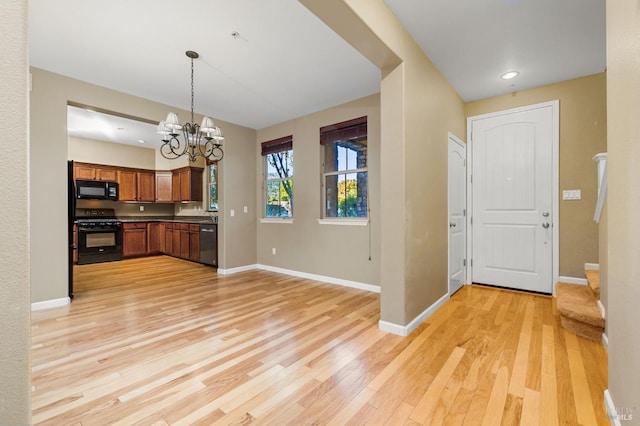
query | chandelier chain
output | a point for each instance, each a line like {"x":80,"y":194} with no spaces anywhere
{"x":192,"y":120}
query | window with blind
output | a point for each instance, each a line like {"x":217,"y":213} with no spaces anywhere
{"x":278,"y":177}
{"x":345,"y":183}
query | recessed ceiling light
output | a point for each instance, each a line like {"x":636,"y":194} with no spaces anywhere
{"x":509,"y":75}
{"x":140,"y":141}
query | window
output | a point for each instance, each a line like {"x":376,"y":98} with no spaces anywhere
{"x":345,"y":169}
{"x":213,"y":186}
{"x":278,"y":182}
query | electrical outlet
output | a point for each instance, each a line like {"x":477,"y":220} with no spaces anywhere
{"x":273,"y":250}
{"x":246,"y":209}
{"x":141,"y":208}
{"x":232,"y":213}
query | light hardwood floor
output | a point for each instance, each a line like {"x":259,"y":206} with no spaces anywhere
{"x":164,"y":341}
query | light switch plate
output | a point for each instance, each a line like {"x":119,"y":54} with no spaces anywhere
{"x":232,"y":213}
{"x":572,"y":194}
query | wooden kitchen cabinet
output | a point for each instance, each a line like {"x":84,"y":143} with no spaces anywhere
{"x":156,"y":239}
{"x":175,"y":186}
{"x":84,"y":171}
{"x":175,"y":243}
{"x":137,"y":185}
{"x":146,"y":185}
{"x":168,"y":238}
{"x":95,"y":172}
{"x":186,"y":184}
{"x":128,"y":182}
{"x":108,"y":174}
{"x":194,"y":242}
{"x":184,"y":241}
{"x":163,"y":187}
{"x":134,"y":239}
{"x":189,"y":241}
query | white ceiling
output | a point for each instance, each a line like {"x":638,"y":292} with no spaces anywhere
{"x":473,"y":42}
{"x":88,"y":124}
{"x":286,"y":63}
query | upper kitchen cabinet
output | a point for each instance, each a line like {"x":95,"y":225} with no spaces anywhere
{"x":186,"y":184}
{"x":95,"y":172}
{"x":128,"y":185}
{"x":163,"y":187}
{"x":137,"y":185}
{"x":146,"y":184}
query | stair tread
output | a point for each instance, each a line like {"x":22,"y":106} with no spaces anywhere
{"x":576,"y":302}
{"x":593,"y":278}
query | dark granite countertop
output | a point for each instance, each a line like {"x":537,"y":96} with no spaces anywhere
{"x":175,"y":219}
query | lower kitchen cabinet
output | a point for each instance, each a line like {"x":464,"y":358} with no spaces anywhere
{"x":189,"y":241}
{"x":156,"y":240}
{"x":184,"y":240}
{"x":173,"y":239}
{"x":134,"y":239}
{"x":194,"y":242}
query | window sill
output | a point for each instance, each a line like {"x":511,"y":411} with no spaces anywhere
{"x":344,"y":222}
{"x":275,"y":220}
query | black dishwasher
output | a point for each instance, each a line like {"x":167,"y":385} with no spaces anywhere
{"x":209,"y":244}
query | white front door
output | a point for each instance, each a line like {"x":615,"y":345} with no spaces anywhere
{"x":457,"y":213}
{"x":513,"y":198}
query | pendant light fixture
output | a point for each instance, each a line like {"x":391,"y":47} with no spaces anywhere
{"x":204,"y":140}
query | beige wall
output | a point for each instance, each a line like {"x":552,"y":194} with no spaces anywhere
{"x":49,"y":154}
{"x":418,"y":109}
{"x":583,"y":134}
{"x":623,"y":227}
{"x":15,"y":387}
{"x":112,"y":154}
{"x":305,"y":245}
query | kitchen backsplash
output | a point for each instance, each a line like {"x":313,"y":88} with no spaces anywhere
{"x":149,"y":209}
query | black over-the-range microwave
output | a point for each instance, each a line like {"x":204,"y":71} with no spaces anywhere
{"x":96,"y":190}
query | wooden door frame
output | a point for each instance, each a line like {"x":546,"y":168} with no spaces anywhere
{"x":465,"y":281}
{"x":555,"y":182}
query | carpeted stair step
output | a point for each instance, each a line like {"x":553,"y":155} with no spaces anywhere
{"x":593,"y":279}
{"x":578,"y":311}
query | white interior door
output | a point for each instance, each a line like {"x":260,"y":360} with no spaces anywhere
{"x":457,"y":213}
{"x":513,"y":198}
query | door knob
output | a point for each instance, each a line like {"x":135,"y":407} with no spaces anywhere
{"x":545,"y":214}
{"x":545,"y":225}
{"x":452,"y":225}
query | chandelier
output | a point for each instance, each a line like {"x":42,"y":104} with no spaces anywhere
{"x":204,"y":140}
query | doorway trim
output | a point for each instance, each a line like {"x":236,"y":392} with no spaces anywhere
{"x":454,"y":138}
{"x":555,"y":182}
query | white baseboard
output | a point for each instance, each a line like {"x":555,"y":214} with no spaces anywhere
{"x":605,"y":341}
{"x":405,"y":330}
{"x":236,"y":270}
{"x":389,"y":327}
{"x":611,"y":409}
{"x":572,"y":280}
{"x":591,"y":266}
{"x":323,"y":278}
{"x":48,"y":304}
{"x":601,"y":309}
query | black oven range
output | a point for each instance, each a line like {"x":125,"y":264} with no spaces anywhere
{"x":99,"y":236}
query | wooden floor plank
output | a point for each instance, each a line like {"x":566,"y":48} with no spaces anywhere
{"x":161,"y":341}
{"x":584,"y":407}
